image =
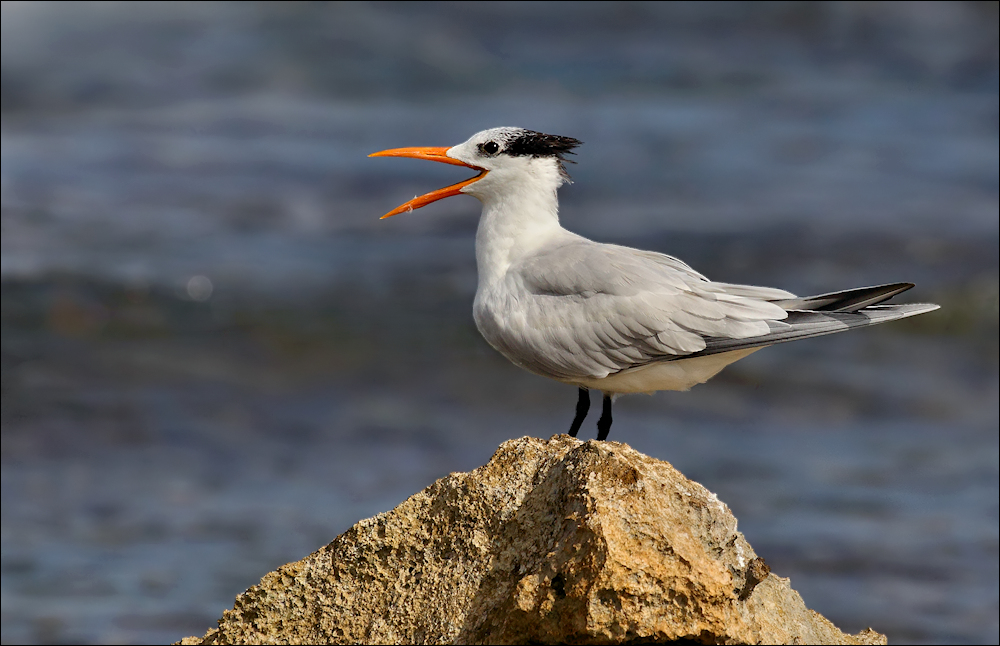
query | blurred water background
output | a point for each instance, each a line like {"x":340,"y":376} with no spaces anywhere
{"x":216,"y":357}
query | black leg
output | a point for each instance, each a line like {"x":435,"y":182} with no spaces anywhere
{"x":582,"y":406}
{"x":604,"y":424}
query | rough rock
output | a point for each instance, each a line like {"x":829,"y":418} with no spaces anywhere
{"x":551,"y":541}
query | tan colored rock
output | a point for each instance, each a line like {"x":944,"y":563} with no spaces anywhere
{"x":551,"y":541}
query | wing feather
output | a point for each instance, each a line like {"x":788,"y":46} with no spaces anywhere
{"x":805,"y":324}
{"x":579,"y":309}
{"x":588,"y":310}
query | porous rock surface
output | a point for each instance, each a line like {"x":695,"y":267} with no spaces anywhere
{"x":551,"y":541}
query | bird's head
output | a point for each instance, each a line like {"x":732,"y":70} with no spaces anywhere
{"x":508,"y":160}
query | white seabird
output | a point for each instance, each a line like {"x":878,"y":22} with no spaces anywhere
{"x":603,"y":316}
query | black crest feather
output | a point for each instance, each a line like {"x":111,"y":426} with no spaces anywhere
{"x":538,"y":144}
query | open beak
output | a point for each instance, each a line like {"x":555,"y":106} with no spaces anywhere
{"x":433,"y":154}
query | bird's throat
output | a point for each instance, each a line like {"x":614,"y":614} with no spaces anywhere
{"x":512,"y":228}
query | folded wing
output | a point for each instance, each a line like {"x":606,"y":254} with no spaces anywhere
{"x":583,"y":309}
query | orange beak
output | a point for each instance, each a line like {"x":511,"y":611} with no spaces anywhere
{"x":433,"y":154}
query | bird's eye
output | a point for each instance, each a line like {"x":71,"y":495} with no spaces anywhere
{"x":490,"y":147}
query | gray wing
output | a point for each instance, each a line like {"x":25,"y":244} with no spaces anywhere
{"x":583,"y":309}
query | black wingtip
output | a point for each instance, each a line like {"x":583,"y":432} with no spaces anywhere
{"x":849,"y":300}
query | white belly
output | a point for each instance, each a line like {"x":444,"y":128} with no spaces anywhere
{"x":679,"y":374}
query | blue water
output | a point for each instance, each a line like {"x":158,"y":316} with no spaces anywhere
{"x":164,"y":447}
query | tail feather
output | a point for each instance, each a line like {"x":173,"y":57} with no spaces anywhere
{"x":802,"y":324}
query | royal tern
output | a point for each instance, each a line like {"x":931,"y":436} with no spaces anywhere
{"x":603,"y":316}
